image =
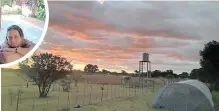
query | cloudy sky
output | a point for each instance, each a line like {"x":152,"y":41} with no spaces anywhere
{"x":114,"y":35}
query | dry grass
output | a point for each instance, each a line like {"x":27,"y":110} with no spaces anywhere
{"x":30,"y":100}
{"x":115,"y":99}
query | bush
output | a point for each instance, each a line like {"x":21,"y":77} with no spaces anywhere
{"x":41,"y":12}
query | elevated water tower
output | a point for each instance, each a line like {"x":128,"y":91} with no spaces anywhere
{"x":145,"y":65}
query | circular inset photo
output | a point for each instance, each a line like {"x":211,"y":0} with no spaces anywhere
{"x":23,"y":27}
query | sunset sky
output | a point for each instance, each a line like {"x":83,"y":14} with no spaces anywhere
{"x":114,"y":35}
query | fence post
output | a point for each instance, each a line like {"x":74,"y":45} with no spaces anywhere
{"x":107,"y":92}
{"x":84,"y":93}
{"x":58,"y":98}
{"x":76,"y":96}
{"x":90,"y":93}
{"x":20,"y":97}
{"x":116,"y":91}
{"x":33,"y":106}
{"x":119,"y":90}
{"x":121,"y":83}
{"x":135,"y":90}
{"x":132,"y":88}
{"x":18,"y":100}
{"x":142,"y":85}
{"x":10,"y":93}
{"x":102,"y":88}
{"x":126,"y":93}
{"x":129,"y":87}
{"x":153,"y":87}
{"x":47,"y":102}
{"x":68,"y":100}
{"x":97,"y":92}
{"x":111,"y":91}
{"x":139,"y":88}
{"x":123,"y":92}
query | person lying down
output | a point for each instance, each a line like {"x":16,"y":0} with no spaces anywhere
{"x":15,"y":46}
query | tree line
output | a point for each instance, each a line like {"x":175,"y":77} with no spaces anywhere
{"x":44,"y":69}
{"x":207,"y":73}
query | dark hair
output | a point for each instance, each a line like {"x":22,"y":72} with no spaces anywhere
{"x":15,"y":27}
{"x":20,"y":31}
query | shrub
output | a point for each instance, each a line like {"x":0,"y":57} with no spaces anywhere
{"x":41,"y":12}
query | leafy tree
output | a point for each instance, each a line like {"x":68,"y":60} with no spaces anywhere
{"x":194,"y":74}
{"x":164,"y":74}
{"x":88,"y":68}
{"x":105,"y":71}
{"x":175,"y":75}
{"x":31,"y":4}
{"x":91,"y":68}
{"x":169,"y":72}
{"x":123,"y":72}
{"x":45,"y":69}
{"x":170,"y":75}
{"x":136,"y":71}
{"x":203,"y":75}
{"x":41,"y":12}
{"x":37,"y":7}
{"x":210,"y":61}
{"x":184,"y":75}
{"x":156,"y":73}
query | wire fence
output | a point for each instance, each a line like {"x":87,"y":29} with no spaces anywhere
{"x":23,"y":98}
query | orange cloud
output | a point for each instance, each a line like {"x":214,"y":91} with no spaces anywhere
{"x":80,"y":30}
{"x":88,"y":54}
{"x":96,"y":46}
{"x":175,"y":56}
{"x":90,"y":23}
{"x":94,"y":24}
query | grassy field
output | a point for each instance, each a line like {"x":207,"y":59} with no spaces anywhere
{"x":87,"y":95}
{"x":115,"y":98}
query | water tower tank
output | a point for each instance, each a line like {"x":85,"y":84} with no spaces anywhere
{"x":145,"y":57}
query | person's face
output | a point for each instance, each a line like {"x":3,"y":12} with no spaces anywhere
{"x":14,"y":39}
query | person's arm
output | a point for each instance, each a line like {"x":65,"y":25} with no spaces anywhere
{"x":27,"y":49}
{"x":11,"y":56}
{"x":24,"y":51}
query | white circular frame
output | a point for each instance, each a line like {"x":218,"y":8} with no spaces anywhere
{"x":30,"y":53}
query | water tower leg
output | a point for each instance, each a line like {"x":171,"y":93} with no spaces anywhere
{"x":150,"y":68}
{"x":139,"y":69}
{"x":147,"y":70}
